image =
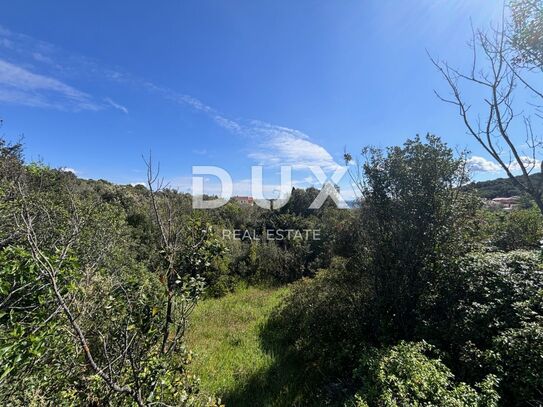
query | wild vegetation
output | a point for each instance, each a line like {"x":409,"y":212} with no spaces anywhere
{"x":419,"y":295}
{"x":98,"y":281}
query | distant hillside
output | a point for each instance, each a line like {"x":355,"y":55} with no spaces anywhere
{"x":501,"y":187}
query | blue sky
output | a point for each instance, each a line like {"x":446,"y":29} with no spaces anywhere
{"x":93,"y":85}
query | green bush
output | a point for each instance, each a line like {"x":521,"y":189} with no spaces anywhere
{"x":404,"y":375}
{"x":322,"y":319}
{"x":486,"y":314}
{"x":520,"y":354}
{"x":520,"y":229}
{"x":413,"y":221}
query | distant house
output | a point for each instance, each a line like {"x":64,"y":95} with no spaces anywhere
{"x":244,"y":200}
{"x":507,"y":203}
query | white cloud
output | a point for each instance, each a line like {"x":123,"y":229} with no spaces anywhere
{"x":481,"y":164}
{"x":273,"y":145}
{"x":68,"y":169}
{"x":20,"y":86}
{"x":117,"y":105}
{"x":283,"y":146}
{"x":529,"y":163}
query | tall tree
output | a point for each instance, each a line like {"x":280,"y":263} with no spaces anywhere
{"x":413,"y":219}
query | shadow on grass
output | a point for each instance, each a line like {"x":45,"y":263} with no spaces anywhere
{"x":285,"y":383}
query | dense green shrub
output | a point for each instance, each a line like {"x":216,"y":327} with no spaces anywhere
{"x":486,"y":314}
{"x":413,"y":221}
{"x":519,"y":229}
{"x":404,"y":375}
{"x":26,"y":334}
{"x":402,"y":238}
{"x":323,"y":319}
{"x":520,"y":359}
{"x":399,"y":269}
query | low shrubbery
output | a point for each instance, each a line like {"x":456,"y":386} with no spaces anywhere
{"x":482,"y":312}
{"x":404,"y":375}
{"x":512,"y":230}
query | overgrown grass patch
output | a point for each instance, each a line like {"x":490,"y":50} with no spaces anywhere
{"x":225,"y":335}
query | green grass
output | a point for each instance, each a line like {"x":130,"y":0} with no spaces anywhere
{"x":225,"y":334}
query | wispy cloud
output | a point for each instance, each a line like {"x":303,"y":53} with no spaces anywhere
{"x":268,"y":144}
{"x":273,"y":145}
{"x":21,"y":86}
{"x":117,"y":105}
{"x":37,"y":74}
